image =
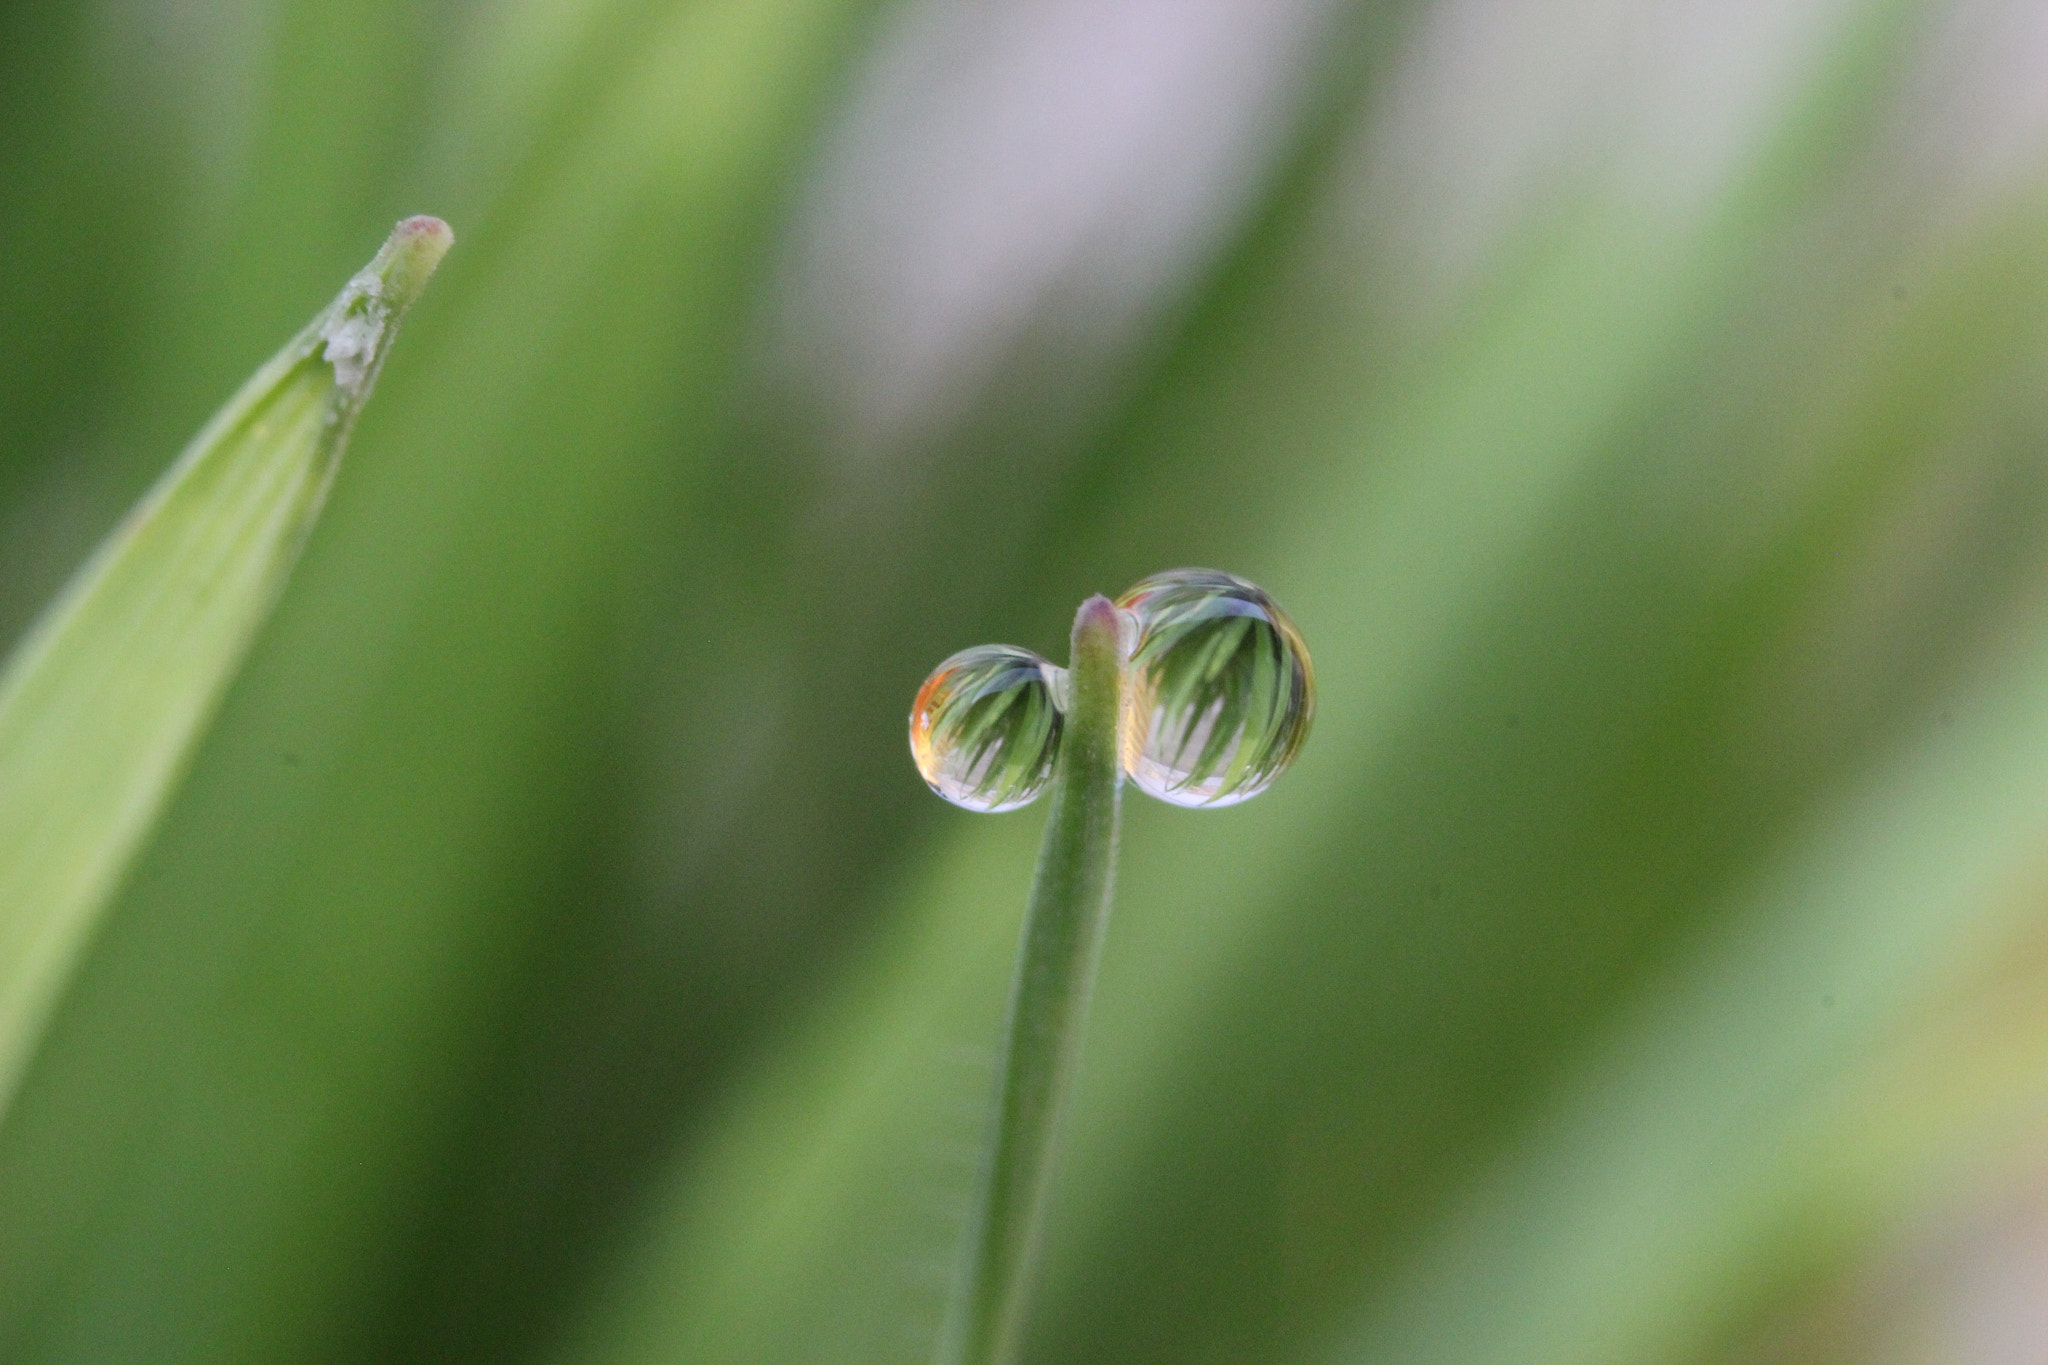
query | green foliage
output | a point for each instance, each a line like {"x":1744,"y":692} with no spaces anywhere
{"x":550,"y":953}
{"x":100,"y":705}
{"x":1057,"y":960}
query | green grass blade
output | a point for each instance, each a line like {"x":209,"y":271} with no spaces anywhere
{"x":101,"y":703}
{"x":1049,"y":1006}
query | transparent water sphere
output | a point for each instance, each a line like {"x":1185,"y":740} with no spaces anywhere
{"x":985,"y":728}
{"x":1220,"y":693}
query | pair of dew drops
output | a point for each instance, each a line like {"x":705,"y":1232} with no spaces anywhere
{"x":1218,"y":696}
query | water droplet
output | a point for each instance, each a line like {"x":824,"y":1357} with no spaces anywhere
{"x":1221,"y":691}
{"x":986,"y":727}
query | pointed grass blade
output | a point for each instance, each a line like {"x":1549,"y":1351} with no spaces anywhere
{"x":100,"y":705}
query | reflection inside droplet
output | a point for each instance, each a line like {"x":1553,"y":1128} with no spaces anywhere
{"x":985,"y":728}
{"x":1220,"y":691}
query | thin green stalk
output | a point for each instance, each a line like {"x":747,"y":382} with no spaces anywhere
{"x":1049,"y":1001}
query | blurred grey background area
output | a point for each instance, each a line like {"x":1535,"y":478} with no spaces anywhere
{"x":553,"y":956}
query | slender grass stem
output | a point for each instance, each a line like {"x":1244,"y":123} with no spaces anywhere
{"x":1049,"y":1001}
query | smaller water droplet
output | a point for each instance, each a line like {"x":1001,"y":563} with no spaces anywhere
{"x":1221,"y":692}
{"x":985,"y":728}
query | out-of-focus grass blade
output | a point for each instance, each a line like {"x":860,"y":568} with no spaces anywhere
{"x":102,"y":702}
{"x":1551,"y":760}
{"x":1733,"y":1139}
{"x":394,"y":845}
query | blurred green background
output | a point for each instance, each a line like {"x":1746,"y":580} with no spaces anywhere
{"x":1641,"y":405}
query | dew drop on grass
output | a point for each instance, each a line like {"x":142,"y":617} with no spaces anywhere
{"x":986,"y":727}
{"x":1220,"y":692}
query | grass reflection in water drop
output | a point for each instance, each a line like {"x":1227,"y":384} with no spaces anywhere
{"x":985,"y":728}
{"x":1221,"y":689}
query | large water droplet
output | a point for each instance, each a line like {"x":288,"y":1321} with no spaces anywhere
{"x":986,"y":727}
{"x":1220,"y":692}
